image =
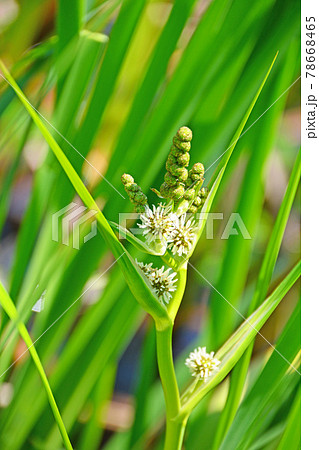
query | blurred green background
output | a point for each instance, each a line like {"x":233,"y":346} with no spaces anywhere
{"x":116,"y":79}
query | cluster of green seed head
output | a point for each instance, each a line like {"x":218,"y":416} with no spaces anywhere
{"x":198,"y":201}
{"x":177,"y":175}
{"x":137,"y":197}
{"x":179,"y":182}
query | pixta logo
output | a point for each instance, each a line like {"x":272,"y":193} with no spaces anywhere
{"x":73,"y":217}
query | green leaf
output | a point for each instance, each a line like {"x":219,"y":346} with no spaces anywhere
{"x":235,"y":346}
{"x":292,"y":433}
{"x":69,"y":22}
{"x":262,"y":400}
{"x":137,"y":282}
{"x":218,"y":175}
{"x":240,"y":371}
{"x":215,"y":181}
{"x":10,"y":309}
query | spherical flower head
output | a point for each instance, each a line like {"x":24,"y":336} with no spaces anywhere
{"x":127,"y":179}
{"x":161,"y":280}
{"x":202,"y":364}
{"x":181,"y":238}
{"x":184,"y":134}
{"x":132,"y":188}
{"x":157,"y":224}
{"x":195,"y":176}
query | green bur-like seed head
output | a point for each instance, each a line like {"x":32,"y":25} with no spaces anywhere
{"x":132,"y":188}
{"x":183,"y":160}
{"x":189,"y":194}
{"x":134,"y":192}
{"x":197,"y":171}
{"x":140,"y":209}
{"x":127,"y":179}
{"x":192,"y":209}
{"x":197,"y":202}
{"x":170,"y":180}
{"x":177,"y":192}
{"x":177,"y":161}
{"x":179,"y":172}
{"x":198,"y":168}
{"x":140,"y":198}
{"x":165,"y":190}
{"x":184,"y":134}
{"x":176,"y":152}
{"x":185,"y":146}
{"x":203,"y":193}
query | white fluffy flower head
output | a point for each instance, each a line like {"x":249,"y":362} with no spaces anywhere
{"x":162,"y":281}
{"x":201,"y":363}
{"x":157,"y":223}
{"x":182,"y":236}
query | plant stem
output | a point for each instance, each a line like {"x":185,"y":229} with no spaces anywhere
{"x":174,"y":434}
{"x":166,"y":370}
{"x":174,"y":428}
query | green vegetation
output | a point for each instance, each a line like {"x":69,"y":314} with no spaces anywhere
{"x":105,"y":89}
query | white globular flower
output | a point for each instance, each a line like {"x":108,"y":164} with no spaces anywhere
{"x":162,"y":281}
{"x":182,"y":236}
{"x":202,"y":364}
{"x":157,"y":223}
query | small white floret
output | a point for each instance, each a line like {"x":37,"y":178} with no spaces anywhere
{"x":202,"y":364}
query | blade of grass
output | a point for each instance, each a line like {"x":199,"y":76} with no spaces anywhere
{"x":138,"y":283}
{"x":69,"y":22}
{"x":233,"y":277}
{"x":235,"y":346}
{"x":156,"y":72}
{"x":217,"y":177}
{"x":147,"y":373}
{"x":239,"y":373}
{"x":120,"y":37}
{"x":84,"y":341}
{"x":88,"y":50}
{"x":273,"y":378}
{"x":93,"y":431}
{"x":11,"y":311}
{"x":292,"y":433}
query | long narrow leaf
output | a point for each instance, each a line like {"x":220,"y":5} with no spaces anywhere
{"x":10,"y":309}
{"x":235,"y":346}
{"x":138,"y":284}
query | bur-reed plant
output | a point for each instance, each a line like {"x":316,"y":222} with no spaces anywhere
{"x":171,"y":231}
{"x":119,"y":78}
